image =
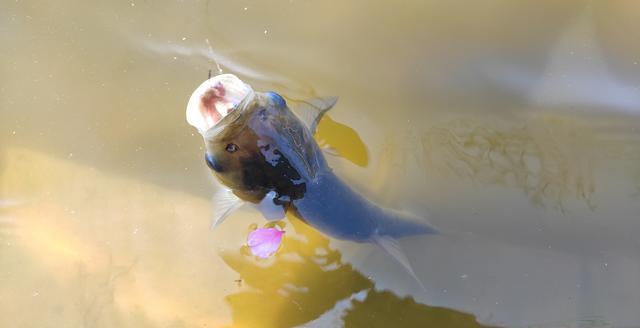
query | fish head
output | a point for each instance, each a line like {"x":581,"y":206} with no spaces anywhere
{"x":251,"y":138}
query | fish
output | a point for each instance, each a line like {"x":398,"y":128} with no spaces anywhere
{"x":263,"y":153}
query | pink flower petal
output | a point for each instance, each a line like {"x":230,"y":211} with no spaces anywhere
{"x":264,"y":241}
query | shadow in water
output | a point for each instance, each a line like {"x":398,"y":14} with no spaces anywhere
{"x":307,"y":280}
{"x":343,"y":139}
{"x":385,"y":309}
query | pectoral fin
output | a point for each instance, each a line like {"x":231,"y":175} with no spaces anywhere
{"x":391,"y":247}
{"x":310,"y":111}
{"x":224,"y":203}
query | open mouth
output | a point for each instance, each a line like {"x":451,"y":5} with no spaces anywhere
{"x":214,"y":99}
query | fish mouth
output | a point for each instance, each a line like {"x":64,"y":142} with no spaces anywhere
{"x":215,"y":100}
{"x":212,"y":163}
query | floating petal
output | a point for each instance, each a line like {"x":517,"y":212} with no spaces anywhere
{"x":264,"y":241}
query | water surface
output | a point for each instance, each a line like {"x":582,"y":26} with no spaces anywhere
{"x":513,"y":126}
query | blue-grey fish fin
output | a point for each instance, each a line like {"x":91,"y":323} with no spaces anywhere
{"x":224,"y":203}
{"x":391,"y":247}
{"x":310,"y":111}
{"x":269,"y":209}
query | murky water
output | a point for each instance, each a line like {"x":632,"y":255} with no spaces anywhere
{"x":514,"y":126}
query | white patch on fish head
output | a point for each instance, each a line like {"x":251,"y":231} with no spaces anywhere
{"x":214,"y":99}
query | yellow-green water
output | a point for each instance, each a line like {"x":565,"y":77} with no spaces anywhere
{"x":513,"y":126}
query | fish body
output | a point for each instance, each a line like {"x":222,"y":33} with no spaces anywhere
{"x":331,"y":206}
{"x":266,"y":155}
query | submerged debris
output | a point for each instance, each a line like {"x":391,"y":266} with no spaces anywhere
{"x":550,"y":160}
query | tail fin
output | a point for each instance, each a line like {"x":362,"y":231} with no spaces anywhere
{"x":391,"y":247}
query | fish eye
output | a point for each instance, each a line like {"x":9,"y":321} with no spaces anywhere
{"x":231,"y":148}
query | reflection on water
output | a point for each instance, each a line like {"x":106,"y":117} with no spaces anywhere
{"x":120,"y":278}
{"x":292,"y":289}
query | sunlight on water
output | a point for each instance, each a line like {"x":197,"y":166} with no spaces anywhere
{"x":511,"y":126}
{"x":120,"y":275}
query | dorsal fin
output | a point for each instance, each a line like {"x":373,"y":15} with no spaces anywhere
{"x":310,"y":111}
